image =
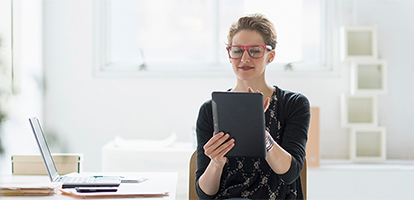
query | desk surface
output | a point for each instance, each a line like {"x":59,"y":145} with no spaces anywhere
{"x":164,"y":181}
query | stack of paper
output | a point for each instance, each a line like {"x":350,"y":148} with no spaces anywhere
{"x":119,"y":194}
{"x":29,"y":189}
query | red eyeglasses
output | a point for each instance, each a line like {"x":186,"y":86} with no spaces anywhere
{"x":255,"y":51}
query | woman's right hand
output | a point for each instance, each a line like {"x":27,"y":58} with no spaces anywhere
{"x":217,"y":147}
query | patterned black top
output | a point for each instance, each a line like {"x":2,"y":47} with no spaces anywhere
{"x":287,"y":120}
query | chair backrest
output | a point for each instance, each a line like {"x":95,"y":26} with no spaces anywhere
{"x":192,"y":194}
{"x":304,"y":178}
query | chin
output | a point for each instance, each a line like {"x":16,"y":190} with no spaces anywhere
{"x":245,"y":77}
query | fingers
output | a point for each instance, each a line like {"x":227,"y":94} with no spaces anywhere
{"x":266,"y":103}
{"x":217,"y":146}
{"x":249,"y":89}
{"x":222,"y":150}
{"x":216,"y":140}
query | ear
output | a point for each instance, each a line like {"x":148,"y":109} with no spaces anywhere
{"x":271,"y":56}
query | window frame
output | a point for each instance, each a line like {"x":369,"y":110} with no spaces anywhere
{"x":328,"y":67}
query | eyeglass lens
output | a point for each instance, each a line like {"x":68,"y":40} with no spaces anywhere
{"x":254,"y":51}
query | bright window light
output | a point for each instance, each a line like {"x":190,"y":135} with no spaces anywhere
{"x":175,"y":33}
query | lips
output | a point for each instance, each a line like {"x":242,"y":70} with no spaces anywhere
{"x":245,"y":68}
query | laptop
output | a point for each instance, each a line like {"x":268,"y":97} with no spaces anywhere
{"x":68,"y":181}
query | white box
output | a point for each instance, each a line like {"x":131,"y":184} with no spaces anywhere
{"x":368,"y":144}
{"x":368,"y":77}
{"x":358,"y":43}
{"x":359,"y":110}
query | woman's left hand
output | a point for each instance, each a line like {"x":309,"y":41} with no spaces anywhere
{"x":266,"y":103}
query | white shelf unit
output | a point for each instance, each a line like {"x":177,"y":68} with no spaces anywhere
{"x":359,"y":110}
{"x":368,"y":144}
{"x":368,"y":77}
{"x":358,"y":43}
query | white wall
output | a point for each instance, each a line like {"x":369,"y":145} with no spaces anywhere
{"x":395,"y":38}
{"x":87,"y":112}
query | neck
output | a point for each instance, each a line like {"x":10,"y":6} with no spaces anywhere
{"x":262,"y":86}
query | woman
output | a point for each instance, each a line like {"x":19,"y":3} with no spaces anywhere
{"x":251,"y":44}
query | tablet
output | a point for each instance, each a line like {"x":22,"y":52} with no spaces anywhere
{"x":241,"y":115}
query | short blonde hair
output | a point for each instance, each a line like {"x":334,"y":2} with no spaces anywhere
{"x":256,"y":22}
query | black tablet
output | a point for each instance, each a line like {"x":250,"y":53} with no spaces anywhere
{"x":241,"y":115}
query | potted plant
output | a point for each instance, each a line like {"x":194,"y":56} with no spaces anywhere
{"x":5,"y":90}
{"x":2,"y":117}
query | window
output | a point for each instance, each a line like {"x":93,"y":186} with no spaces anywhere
{"x":151,"y":35}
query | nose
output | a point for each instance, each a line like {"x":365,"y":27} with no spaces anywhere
{"x":245,"y":57}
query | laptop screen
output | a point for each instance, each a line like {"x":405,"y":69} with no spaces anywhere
{"x":44,"y":149}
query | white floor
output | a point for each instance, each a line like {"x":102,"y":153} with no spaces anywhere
{"x":392,"y":180}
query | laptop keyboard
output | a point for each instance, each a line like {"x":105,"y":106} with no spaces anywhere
{"x":74,"y":179}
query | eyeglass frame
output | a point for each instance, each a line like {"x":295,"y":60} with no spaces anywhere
{"x":265,"y":47}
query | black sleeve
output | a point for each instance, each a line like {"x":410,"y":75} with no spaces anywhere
{"x":204,"y":129}
{"x":296,"y":111}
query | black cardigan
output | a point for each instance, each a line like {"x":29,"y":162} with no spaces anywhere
{"x":287,"y":120}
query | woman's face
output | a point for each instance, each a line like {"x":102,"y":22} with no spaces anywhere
{"x":248,"y":68}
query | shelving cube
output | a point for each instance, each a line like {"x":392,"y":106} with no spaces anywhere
{"x":359,"y":110}
{"x":358,"y":43}
{"x":368,"y":77}
{"x":368,"y":144}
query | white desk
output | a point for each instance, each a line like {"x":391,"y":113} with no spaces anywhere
{"x":165,"y":181}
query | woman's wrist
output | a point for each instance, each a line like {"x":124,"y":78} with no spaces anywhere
{"x":270,"y":142}
{"x":218,"y":165}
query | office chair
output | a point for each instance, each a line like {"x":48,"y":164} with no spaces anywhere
{"x":192,"y":194}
